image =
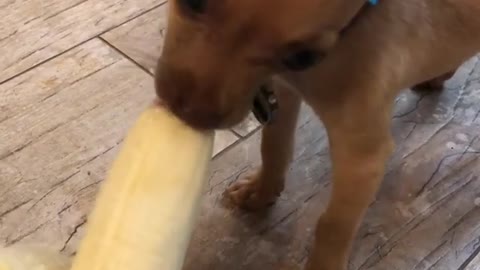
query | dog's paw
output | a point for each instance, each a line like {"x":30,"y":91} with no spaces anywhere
{"x":435,"y":84}
{"x":252,"y":193}
{"x":430,"y":86}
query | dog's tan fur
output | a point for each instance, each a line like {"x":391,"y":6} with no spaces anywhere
{"x":213,"y":62}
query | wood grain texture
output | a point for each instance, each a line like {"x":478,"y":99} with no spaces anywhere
{"x":223,"y":139}
{"x":33,"y":31}
{"x":141,"y":39}
{"x":60,"y":131}
{"x":474,"y":264}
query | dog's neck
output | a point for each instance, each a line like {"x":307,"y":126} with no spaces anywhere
{"x":265,"y":103}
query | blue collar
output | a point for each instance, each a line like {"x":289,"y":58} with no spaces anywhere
{"x":373,"y":2}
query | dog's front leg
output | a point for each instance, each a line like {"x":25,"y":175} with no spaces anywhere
{"x":263,"y":187}
{"x":360,"y":144}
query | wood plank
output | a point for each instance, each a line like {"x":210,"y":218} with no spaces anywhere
{"x":142,"y":40}
{"x":223,"y":139}
{"x":36,"y":102}
{"x":247,"y":126}
{"x":33,"y":31}
{"x":65,"y":139}
{"x":474,"y":264}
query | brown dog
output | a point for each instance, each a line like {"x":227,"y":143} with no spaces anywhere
{"x":345,"y":58}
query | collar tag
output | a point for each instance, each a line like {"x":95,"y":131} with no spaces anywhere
{"x":265,"y":105}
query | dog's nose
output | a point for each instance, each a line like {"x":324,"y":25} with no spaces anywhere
{"x":179,"y":91}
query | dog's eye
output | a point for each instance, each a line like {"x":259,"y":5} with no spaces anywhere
{"x":301,"y":59}
{"x":195,"y":6}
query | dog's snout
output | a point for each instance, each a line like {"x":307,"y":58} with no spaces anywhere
{"x":196,"y":113}
{"x":173,"y":86}
{"x":195,"y":105}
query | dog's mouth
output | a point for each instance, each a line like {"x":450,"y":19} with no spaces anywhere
{"x":265,"y":105}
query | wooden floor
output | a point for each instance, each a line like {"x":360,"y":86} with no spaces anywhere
{"x":74,"y":74}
